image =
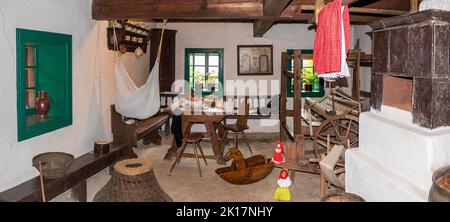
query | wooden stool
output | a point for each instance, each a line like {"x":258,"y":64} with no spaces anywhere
{"x":194,"y":139}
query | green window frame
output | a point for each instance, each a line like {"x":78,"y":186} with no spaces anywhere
{"x":190,"y":66}
{"x":44,"y":62}
{"x":290,"y":85}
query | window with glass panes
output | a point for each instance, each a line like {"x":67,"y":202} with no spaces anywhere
{"x":307,"y":63}
{"x":30,"y":79}
{"x":204,"y":70}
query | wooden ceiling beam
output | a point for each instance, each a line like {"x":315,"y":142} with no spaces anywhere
{"x":349,"y":2}
{"x":273,"y":10}
{"x":222,"y":11}
{"x":175,"y":9}
{"x":363,"y":10}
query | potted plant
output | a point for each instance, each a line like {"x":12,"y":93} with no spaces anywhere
{"x":198,"y":81}
{"x":308,"y":79}
{"x":212,"y":82}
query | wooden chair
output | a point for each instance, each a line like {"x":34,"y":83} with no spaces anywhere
{"x":194,"y":139}
{"x":238,"y":128}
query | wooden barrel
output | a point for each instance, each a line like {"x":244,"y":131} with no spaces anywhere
{"x":440,"y":189}
{"x":343,"y":197}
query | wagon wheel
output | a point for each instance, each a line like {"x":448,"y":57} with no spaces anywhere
{"x":340,"y":128}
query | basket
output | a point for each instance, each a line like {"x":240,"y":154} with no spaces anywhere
{"x":54,"y":164}
{"x":133,"y":180}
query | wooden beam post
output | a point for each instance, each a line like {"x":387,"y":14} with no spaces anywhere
{"x":414,"y":6}
{"x":298,"y":134}
{"x":357,"y":73}
{"x":319,"y":4}
{"x":297,"y":95}
{"x":283,"y":96}
{"x":271,"y":9}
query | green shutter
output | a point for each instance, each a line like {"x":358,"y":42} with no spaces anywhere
{"x":53,"y":74}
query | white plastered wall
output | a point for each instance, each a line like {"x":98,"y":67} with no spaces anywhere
{"x":229,"y":35}
{"x":93,"y":83}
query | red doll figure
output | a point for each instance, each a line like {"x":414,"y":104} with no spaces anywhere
{"x":278,"y":157}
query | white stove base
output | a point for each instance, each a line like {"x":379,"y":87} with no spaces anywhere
{"x":375,"y":183}
{"x":396,"y":159}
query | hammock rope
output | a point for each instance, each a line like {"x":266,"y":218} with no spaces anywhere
{"x":158,"y":56}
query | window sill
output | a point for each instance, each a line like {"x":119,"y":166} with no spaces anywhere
{"x":315,"y":94}
{"x":36,"y":126}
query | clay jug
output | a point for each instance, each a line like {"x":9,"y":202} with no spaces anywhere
{"x":42,"y":104}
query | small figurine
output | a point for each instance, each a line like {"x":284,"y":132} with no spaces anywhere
{"x":282,"y":192}
{"x":278,"y":157}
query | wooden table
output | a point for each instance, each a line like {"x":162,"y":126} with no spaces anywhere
{"x":209,"y":118}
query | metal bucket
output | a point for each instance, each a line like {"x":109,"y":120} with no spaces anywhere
{"x":440,"y":190}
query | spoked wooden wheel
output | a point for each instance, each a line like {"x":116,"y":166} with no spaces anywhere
{"x":340,"y":128}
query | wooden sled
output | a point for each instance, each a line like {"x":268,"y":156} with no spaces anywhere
{"x":244,"y":171}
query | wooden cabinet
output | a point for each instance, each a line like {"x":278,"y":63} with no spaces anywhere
{"x":167,"y":60}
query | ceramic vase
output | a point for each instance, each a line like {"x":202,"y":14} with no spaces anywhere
{"x":42,"y":104}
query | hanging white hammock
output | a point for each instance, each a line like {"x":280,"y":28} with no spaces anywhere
{"x":132,"y":101}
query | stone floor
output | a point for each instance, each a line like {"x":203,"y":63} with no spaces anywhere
{"x":185,"y":184}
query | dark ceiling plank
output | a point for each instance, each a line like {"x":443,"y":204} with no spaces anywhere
{"x":272,"y":9}
{"x":175,"y":9}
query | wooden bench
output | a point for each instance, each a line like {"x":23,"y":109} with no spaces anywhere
{"x":146,"y":129}
{"x":81,"y":169}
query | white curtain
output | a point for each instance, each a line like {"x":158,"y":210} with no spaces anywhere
{"x":134,"y":102}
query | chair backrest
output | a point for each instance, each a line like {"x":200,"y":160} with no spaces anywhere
{"x":242,"y":119}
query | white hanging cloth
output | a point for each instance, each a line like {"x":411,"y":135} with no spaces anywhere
{"x":134,"y":102}
{"x":137,"y":102}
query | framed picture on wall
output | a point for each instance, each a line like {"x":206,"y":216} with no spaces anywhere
{"x":255,"y":59}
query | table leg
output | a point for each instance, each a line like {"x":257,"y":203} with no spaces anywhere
{"x":78,"y":192}
{"x":215,"y":142}
{"x":172,"y":151}
{"x":167,"y":127}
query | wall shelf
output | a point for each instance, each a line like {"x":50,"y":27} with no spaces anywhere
{"x":130,"y":36}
